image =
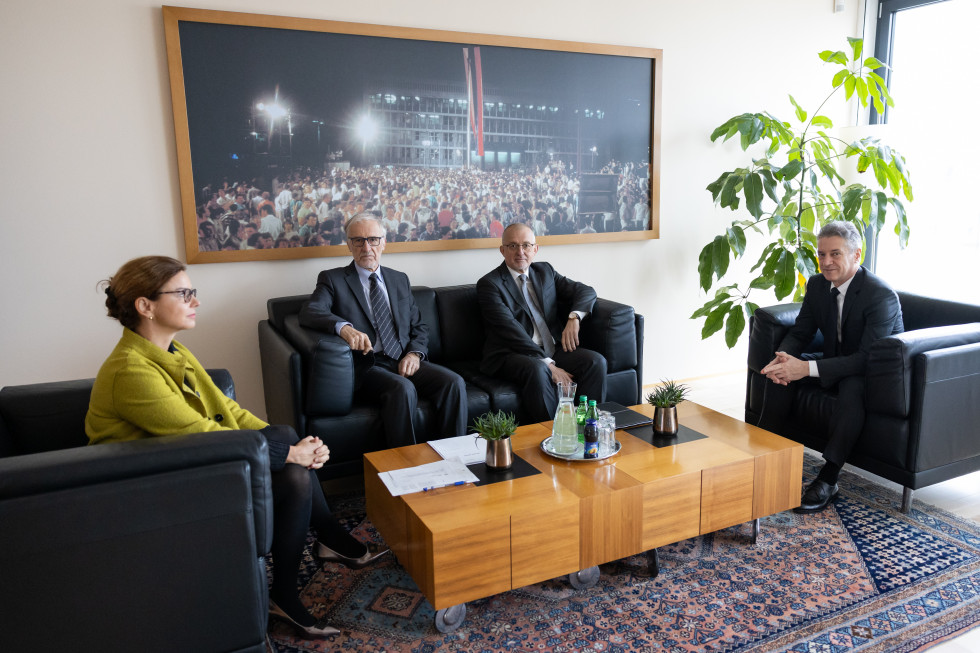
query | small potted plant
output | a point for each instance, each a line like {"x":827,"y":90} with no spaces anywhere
{"x":496,"y":429}
{"x":664,"y":399}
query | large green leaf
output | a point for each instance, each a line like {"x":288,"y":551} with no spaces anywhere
{"x":852,"y":200}
{"x":834,"y":57}
{"x":857,"y":45}
{"x":706,"y":265}
{"x":753,"y":194}
{"x":790,"y":170}
{"x":785,"y":274}
{"x":720,"y":255}
{"x":715,"y":320}
{"x":716,"y":186}
{"x":734,"y":325}
{"x":729,"y":192}
{"x":902,"y":225}
{"x":736,"y":239}
{"x":800,"y":113}
{"x":805,"y":262}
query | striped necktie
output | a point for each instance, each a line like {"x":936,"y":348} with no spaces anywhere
{"x":383,"y":323}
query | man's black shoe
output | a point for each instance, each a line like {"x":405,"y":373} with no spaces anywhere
{"x":817,"y":496}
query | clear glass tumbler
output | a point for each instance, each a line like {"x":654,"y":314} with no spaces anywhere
{"x":607,"y":433}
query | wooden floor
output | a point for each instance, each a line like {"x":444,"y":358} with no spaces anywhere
{"x":725,"y":393}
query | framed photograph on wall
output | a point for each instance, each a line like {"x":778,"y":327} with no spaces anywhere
{"x":287,"y":127}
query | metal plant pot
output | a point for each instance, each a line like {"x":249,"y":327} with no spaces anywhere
{"x":500,"y":454}
{"x":664,"y":420}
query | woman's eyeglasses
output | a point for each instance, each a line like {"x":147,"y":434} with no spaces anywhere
{"x":185,"y":293}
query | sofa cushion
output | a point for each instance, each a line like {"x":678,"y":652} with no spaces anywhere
{"x":460,"y":323}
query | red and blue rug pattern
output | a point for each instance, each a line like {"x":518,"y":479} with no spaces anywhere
{"x":860,"y":576}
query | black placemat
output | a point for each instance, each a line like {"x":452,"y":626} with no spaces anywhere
{"x":625,"y":417}
{"x":519,"y":469}
{"x":684,"y":434}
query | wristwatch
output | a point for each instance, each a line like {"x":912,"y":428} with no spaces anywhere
{"x":573,"y":316}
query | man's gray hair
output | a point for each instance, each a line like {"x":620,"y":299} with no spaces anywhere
{"x":844,"y":230}
{"x":361,"y":217}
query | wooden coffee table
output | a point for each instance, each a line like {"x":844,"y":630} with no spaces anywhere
{"x":464,"y":543}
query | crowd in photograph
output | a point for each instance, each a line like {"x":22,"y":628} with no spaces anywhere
{"x":308,"y":208}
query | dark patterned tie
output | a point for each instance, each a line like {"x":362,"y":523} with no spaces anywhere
{"x":383,"y":322}
{"x":547,"y":340}
{"x":834,"y":293}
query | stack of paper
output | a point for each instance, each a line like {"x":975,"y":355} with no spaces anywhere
{"x":468,"y":449}
{"x":426,"y":477}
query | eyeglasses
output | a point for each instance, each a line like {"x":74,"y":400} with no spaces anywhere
{"x":527,"y":247}
{"x":357,"y":241}
{"x":185,"y":293}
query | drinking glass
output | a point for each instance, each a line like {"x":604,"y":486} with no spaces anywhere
{"x":607,"y":433}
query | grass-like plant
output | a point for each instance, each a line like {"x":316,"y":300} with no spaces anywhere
{"x":495,"y":426}
{"x":668,"y":394}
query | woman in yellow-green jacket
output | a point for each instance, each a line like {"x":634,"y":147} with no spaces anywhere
{"x":152,"y":385}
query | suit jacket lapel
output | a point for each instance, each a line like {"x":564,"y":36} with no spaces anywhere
{"x":545,"y":293}
{"x":354,"y":281}
{"x":510,"y":287}
{"x":852,"y":296}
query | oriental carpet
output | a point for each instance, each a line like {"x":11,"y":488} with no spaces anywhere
{"x":860,"y":576}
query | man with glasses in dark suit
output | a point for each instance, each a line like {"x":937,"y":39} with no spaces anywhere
{"x":527,"y":341}
{"x":373,"y":310}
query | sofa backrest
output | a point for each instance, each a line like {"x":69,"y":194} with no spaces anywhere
{"x":919,"y":312}
{"x":460,"y":324}
{"x":50,"y":416}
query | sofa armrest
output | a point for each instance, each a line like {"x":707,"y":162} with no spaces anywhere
{"x":891,"y":375}
{"x":611,"y":330}
{"x":944,"y":403}
{"x":66,"y":469}
{"x":174,"y":527}
{"x":767,"y":328}
{"x":328,"y":369}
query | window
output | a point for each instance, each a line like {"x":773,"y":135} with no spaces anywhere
{"x":927,"y":44}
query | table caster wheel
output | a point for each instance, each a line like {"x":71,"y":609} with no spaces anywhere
{"x":583,"y":580}
{"x":449,"y":619}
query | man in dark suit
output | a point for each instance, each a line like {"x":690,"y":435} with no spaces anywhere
{"x":852,"y":308}
{"x":372,"y":308}
{"x":527,"y":341}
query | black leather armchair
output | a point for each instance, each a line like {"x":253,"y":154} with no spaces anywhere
{"x":309,"y":379}
{"x":151,"y":545}
{"x":922,"y":422}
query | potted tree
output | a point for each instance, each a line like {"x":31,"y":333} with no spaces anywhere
{"x":664,"y":400}
{"x":496,"y":428}
{"x":792,"y":187}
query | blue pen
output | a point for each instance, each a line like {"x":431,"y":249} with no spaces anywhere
{"x":426,"y":489}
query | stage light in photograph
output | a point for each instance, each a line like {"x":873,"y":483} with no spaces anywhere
{"x":367,"y":129}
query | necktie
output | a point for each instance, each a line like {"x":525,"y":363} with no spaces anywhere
{"x":383,"y":322}
{"x":834,"y":293}
{"x":547,"y":341}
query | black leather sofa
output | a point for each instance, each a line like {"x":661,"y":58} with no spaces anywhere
{"x":922,"y":422}
{"x":152,"y":545}
{"x":309,"y":381}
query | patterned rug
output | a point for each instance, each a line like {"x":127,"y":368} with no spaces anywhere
{"x":859,"y":576}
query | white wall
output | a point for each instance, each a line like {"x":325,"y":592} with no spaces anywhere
{"x":89,"y":174}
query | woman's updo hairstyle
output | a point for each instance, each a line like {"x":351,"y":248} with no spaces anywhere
{"x":141,"y":277}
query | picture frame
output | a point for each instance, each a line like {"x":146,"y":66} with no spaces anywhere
{"x":402,"y":121}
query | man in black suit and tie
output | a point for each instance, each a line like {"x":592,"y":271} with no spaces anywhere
{"x":372,"y":308}
{"x":527,"y":341}
{"x":852,"y":308}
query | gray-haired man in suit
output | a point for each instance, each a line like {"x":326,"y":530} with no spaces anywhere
{"x":372,"y":308}
{"x":852,"y":308}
